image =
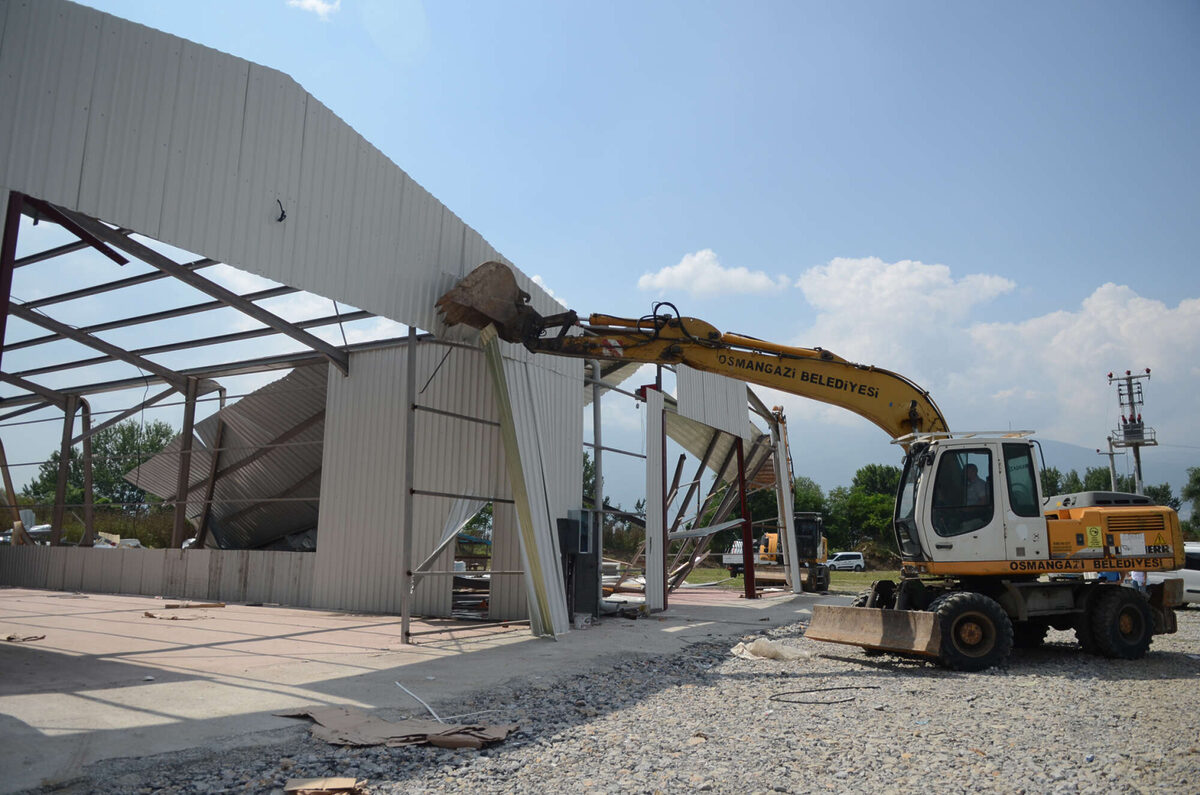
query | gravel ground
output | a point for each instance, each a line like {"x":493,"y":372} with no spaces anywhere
{"x":1054,"y":720}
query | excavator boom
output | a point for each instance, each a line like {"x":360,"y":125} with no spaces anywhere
{"x":972,"y":558}
{"x":490,"y":295}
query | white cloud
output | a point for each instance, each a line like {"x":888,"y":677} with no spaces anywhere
{"x":701,"y":273}
{"x":322,"y":8}
{"x":1045,"y":373}
{"x":906,"y":316}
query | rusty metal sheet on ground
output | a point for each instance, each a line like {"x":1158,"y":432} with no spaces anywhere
{"x":913,"y":631}
{"x":348,"y":726}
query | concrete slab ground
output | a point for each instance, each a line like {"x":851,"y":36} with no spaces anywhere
{"x":109,"y":681}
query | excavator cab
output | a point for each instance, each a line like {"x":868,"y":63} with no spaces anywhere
{"x":961,"y":499}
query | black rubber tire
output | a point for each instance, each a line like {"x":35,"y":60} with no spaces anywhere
{"x":860,"y":567}
{"x":1084,"y":635}
{"x":1122,"y":623}
{"x":1029,"y":634}
{"x":976,"y":632}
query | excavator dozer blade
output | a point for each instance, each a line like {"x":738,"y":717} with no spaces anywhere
{"x":489,"y":295}
{"x":909,"y":631}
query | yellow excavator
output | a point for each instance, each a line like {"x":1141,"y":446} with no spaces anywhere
{"x":988,"y":561}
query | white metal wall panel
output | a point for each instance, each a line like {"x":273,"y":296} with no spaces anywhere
{"x":56,"y":572}
{"x":131,"y":570}
{"x":195,"y":573}
{"x":269,"y":164}
{"x":154,"y":564}
{"x":205,"y":147}
{"x":714,"y":400}
{"x":656,"y":585}
{"x":226,"y":575}
{"x":46,"y":138}
{"x":361,"y":501}
{"x":73,"y":565}
{"x":129,"y":126}
{"x":193,"y":147}
{"x":506,"y":601}
{"x":174,"y":582}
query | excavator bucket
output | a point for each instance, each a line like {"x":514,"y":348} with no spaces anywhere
{"x":490,"y":295}
{"x":908,"y":631}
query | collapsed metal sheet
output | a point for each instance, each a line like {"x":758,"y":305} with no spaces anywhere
{"x":269,"y":461}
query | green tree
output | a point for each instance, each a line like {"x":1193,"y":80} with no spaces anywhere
{"x":1191,"y":493}
{"x":1100,"y":479}
{"x":807,"y":495}
{"x":862,"y":514}
{"x":1071,"y":483}
{"x":116,"y":450}
{"x":1052,"y":481}
{"x":1162,"y":495}
{"x":877,"y":479}
{"x":480,"y":525}
{"x":856,"y":516}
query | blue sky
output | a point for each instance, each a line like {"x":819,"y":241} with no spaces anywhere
{"x":999,"y":201}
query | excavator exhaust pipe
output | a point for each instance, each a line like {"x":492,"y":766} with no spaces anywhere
{"x":489,"y":295}
{"x":907,"y":631}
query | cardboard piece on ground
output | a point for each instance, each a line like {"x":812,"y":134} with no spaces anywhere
{"x":348,"y":726}
{"x":320,"y":786}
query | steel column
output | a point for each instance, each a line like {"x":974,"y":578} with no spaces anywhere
{"x":89,"y":528}
{"x":185,"y":463}
{"x":8,"y":255}
{"x":598,"y":470}
{"x":64,"y":469}
{"x":210,"y":487}
{"x":19,"y":535}
{"x":747,"y":529}
{"x":410,"y":462}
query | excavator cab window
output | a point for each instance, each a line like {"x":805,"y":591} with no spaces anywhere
{"x":962,"y":493}
{"x":1022,"y":485}
{"x":904,"y":521}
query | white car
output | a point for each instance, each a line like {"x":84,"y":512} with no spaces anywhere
{"x":847,"y":561}
{"x":1190,"y":573}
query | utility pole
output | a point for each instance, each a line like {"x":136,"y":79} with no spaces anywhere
{"x":1112,"y":464}
{"x":1133,"y":432}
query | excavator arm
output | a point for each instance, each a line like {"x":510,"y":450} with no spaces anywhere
{"x":490,"y":295}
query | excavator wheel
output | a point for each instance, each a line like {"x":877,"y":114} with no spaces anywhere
{"x":976,"y":632}
{"x":1084,"y":634}
{"x":1122,"y":623}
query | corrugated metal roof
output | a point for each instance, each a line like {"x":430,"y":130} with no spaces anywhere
{"x":243,"y":517}
{"x":195,"y":147}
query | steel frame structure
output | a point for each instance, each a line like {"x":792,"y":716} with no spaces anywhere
{"x":119,"y":246}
